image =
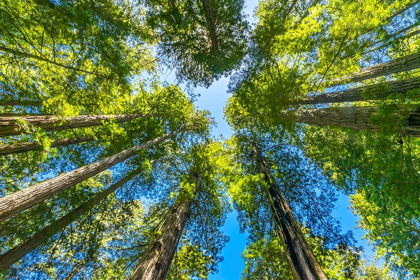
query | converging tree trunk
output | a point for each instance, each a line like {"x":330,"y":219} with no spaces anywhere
{"x":18,"y":252}
{"x":17,"y":202}
{"x":155,"y":262}
{"x":17,"y":125}
{"x":357,"y":118}
{"x":301,"y":260}
{"x":402,"y":64}
{"x":371,"y":92}
{"x":8,"y":149}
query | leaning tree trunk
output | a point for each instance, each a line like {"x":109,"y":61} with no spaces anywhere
{"x":14,"y":126}
{"x":17,"y":202}
{"x":17,"y":148}
{"x":357,"y":118}
{"x":155,"y":262}
{"x":301,"y":260}
{"x":371,"y":92}
{"x":406,"y":63}
{"x":42,"y":236}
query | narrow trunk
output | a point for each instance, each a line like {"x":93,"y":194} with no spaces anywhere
{"x":402,"y":64}
{"x":391,"y":40}
{"x":20,"y":103}
{"x":356,"y":118}
{"x":8,"y":149}
{"x":18,"y":252}
{"x":40,"y":58}
{"x":155,"y":262}
{"x":302,"y":261}
{"x":17,"y":202}
{"x":13,"y":126}
{"x":371,"y":92}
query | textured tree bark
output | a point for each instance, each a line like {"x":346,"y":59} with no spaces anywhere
{"x":155,"y":262}
{"x":17,"y":202}
{"x":356,"y":118}
{"x":11,"y":126}
{"x":302,"y":261}
{"x":18,"y":252}
{"x":406,"y":63}
{"x":371,"y":92}
{"x":8,"y":149}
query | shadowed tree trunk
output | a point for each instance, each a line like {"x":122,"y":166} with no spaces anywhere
{"x":17,"y":202}
{"x":402,"y":64}
{"x":8,"y":149}
{"x":155,"y":262}
{"x":18,"y":252}
{"x":371,"y":92}
{"x":356,"y":118}
{"x":13,"y":126}
{"x":301,"y":260}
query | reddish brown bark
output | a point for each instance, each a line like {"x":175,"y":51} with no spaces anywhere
{"x":17,"y":202}
{"x":371,"y":92}
{"x":357,"y":118}
{"x":156,"y":260}
{"x":18,"y":252}
{"x":301,"y":260}
{"x":8,"y":149}
{"x":402,"y":64}
{"x":11,"y":126}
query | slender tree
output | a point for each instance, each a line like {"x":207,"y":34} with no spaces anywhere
{"x":402,"y":64}
{"x":301,"y":260}
{"x":371,"y":92}
{"x":15,"y":203}
{"x":18,"y":252}
{"x":16,"y":125}
{"x":357,"y":118}
{"x":8,"y":149}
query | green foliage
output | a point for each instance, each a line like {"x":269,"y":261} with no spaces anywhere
{"x":201,"y":39}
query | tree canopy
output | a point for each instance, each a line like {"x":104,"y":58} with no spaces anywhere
{"x":109,"y":172}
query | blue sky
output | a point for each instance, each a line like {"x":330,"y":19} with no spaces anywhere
{"x":214,"y":100}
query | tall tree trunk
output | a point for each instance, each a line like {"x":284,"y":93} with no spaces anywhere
{"x":371,"y":92}
{"x":42,"y":236}
{"x":155,"y":262}
{"x":8,"y":149}
{"x":391,"y":40}
{"x":356,"y":118}
{"x":406,"y":63}
{"x":302,"y":261}
{"x":12,"y":126}
{"x":17,"y":202}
